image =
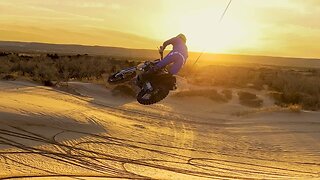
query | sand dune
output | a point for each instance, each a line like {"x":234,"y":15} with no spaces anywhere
{"x":46,"y":133}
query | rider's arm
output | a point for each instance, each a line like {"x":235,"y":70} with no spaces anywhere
{"x":166,"y":43}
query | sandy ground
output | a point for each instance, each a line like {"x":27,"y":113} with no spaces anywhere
{"x":50,"y":134}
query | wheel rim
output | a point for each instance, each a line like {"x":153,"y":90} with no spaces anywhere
{"x":149,"y":95}
{"x":155,"y":96}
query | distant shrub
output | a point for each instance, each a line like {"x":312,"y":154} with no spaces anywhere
{"x":296,"y":108}
{"x":4,"y":54}
{"x":310,"y":103}
{"x":226,"y":76}
{"x":207,"y":93}
{"x":246,"y":95}
{"x":4,"y":68}
{"x":293,"y":85}
{"x":256,"y":86}
{"x":48,"y":83}
{"x":227,"y":93}
{"x":25,"y":57}
{"x":275,"y":95}
{"x":75,"y":67}
{"x":46,"y":73}
{"x":292,"y":97}
{"x":256,"y":103}
{"x":9,"y":77}
{"x":304,"y":100}
{"x":249,"y":99}
{"x":54,"y":67}
{"x":53,"y":56}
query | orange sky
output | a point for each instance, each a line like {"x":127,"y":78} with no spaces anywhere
{"x":273,"y":27}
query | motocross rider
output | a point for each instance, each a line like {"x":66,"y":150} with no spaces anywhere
{"x":177,"y":57}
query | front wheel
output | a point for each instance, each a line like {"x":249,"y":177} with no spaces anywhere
{"x":146,"y":97}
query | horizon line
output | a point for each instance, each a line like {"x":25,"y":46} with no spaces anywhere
{"x":129,"y":48}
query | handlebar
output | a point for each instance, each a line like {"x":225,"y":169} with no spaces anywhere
{"x":161,"y":53}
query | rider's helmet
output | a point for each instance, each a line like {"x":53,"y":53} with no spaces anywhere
{"x":183,"y":37}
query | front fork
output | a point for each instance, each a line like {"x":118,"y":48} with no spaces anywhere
{"x":146,"y":85}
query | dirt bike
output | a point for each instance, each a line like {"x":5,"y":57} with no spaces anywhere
{"x":154,"y":85}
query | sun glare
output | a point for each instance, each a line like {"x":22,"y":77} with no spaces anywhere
{"x":219,"y":37}
{"x":208,"y":34}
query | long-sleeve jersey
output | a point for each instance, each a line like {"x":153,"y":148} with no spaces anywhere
{"x":178,"y":46}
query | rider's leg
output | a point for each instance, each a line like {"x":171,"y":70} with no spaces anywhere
{"x":165,"y":61}
{"x":175,"y":59}
{"x":177,"y":65}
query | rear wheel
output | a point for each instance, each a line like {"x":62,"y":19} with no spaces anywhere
{"x":146,"y":97}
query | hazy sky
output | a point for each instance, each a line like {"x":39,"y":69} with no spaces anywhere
{"x":273,"y":27}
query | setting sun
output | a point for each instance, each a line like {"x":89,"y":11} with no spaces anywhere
{"x":219,"y":37}
{"x":211,"y":34}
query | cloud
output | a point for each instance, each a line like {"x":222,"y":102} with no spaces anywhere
{"x":115,"y":6}
{"x":291,"y":40}
{"x":308,"y":3}
{"x":84,"y":36}
{"x":32,"y":11}
{"x":284,"y":17}
{"x":91,"y":5}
